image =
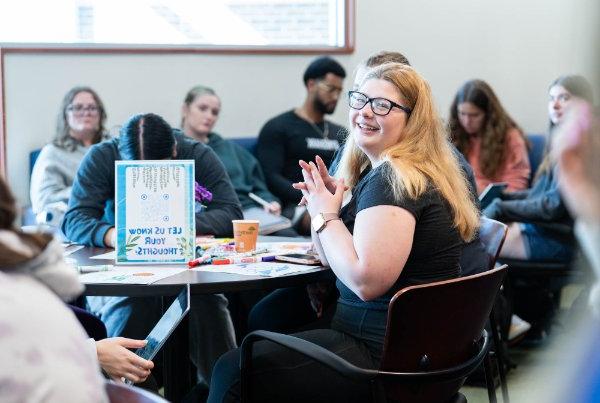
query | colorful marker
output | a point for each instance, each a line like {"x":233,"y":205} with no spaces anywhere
{"x":244,"y":259}
{"x":198,"y":261}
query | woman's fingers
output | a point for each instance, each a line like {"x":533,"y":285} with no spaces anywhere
{"x":308,"y":180}
{"x":304,"y":165}
{"x":299,"y":186}
{"x":130,"y":343}
{"x":322,"y":168}
{"x":340,"y":188}
{"x":316,"y":176}
{"x":141,"y":363}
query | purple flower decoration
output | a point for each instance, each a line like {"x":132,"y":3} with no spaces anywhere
{"x":202,"y":194}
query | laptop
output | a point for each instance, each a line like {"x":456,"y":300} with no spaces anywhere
{"x":166,"y":325}
{"x":492,"y":191}
{"x":269,"y":223}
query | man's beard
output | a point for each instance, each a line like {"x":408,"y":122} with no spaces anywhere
{"x":323,"y":108}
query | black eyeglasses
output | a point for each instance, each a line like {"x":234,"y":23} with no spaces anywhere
{"x":379,"y":106}
{"x":81,"y":109}
{"x":330,"y":88}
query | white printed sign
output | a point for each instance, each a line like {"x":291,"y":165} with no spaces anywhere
{"x":154,"y":207}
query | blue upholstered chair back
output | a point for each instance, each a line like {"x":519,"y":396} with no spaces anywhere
{"x":249,"y":143}
{"x":33,"y":158}
{"x":537,"y":144}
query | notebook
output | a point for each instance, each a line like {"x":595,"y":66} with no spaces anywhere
{"x":166,"y":325}
{"x":492,"y":191}
{"x":269,"y":223}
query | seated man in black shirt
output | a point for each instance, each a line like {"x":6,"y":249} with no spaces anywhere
{"x":302,"y":133}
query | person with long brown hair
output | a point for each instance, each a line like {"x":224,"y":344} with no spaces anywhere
{"x":540,"y":227}
{"x":401,"y":172}
{"x":488,"y":137}
{"x":80,"y":124}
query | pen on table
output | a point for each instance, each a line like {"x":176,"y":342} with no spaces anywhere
{"x":254,"y":252}
{"x":93,"y":269}
{"x":246,"y":259}
{"x":259,"y":200}
{"x":198,"y":261}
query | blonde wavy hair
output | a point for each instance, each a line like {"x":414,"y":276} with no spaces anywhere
{"x":422,"y":157}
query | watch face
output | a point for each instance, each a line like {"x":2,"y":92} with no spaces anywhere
{"x":318,"y":222}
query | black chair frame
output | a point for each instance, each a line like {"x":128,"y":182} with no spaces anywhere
{"x":352,"y":372}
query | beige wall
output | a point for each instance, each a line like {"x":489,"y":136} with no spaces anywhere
{"x":518,"y":46}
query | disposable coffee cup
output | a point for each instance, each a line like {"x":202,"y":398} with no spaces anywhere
{"x":245,"y":234}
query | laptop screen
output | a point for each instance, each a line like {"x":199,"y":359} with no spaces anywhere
{"x":492,"y":191}
{"x":166,"y":325}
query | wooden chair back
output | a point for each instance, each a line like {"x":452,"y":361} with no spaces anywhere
{"x":436,"y":326}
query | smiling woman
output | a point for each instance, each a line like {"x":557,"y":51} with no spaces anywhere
{"x":80,"y":124}
{"x":379,"y":126}
{"x":402,"y":174}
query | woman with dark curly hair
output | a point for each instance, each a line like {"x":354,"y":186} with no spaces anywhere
{"x":488,"y":137}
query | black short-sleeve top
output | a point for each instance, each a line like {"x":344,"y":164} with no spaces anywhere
{"x":436,"y":244}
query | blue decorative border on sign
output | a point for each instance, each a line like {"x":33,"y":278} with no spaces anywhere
{"x":187,"y":240}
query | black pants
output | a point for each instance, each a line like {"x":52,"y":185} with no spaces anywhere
{"x":284,"y":310}
{"x":282,"y":375}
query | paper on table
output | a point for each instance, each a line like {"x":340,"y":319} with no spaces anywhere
{"x":108,"y":256}
{"x":265,"y":269}
{"x":133,"y":275}
{"x":274,"y":248}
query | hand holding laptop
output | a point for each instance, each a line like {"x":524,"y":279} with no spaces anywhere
{"x":122,"y":364}
{"x":270,"y":219}
{"x":119,"y":362}
{"x":271,"y":207}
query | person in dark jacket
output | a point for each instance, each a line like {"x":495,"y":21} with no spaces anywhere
{"x":90,"y":221}
{"x":540,"y":227}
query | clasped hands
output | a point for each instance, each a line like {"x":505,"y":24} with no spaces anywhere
{"x":321,"y":193}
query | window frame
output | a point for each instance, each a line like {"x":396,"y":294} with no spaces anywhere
{"x":348,"y":48}
{"x":53,"y":48}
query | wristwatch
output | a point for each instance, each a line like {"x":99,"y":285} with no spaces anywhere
{"x":319,"y":222}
